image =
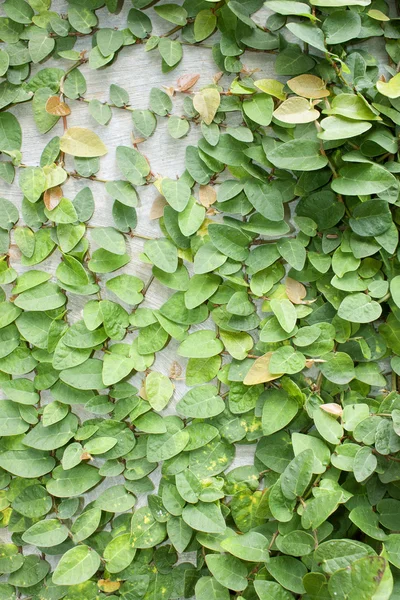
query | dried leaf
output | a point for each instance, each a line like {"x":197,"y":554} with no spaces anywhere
{"x":207,"y":195}
{"x":295,"y":290}
{"x":175,"y":370}
{"x":54,"y":106}
{"x":52,"y":197}
{"x":185,"y":82}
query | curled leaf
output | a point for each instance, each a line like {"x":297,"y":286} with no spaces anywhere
{"x":333,"y":409}
{"x":185,"y":82}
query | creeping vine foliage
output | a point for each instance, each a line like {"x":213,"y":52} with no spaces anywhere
{"x":279,"y":247}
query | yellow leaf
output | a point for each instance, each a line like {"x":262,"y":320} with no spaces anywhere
{"x":271,"y":87}
{"x":308,"y":86}
{"x":391,"y":89}
{"x":105,"y":585}
{"x":378,"y":15}
{"x":79,"y":141}
{"x":206,"y":102}
{"x":259,"y":371}
{"x":296,"y":110}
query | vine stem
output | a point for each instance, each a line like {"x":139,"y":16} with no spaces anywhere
{"x":124,"y":107}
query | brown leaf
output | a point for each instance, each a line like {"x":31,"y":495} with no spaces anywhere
{"x":54,"y":106}
{"x":108,"y":586}
{"x":333,"y":409}
{"x":136,"y":141}
{"x":207,"y":195}
{"x":259,"y":371}
{"x":175,"y":370}
{"x":52,"y":197}
{"x":157,"y":209}
{"x":86,"y":456}
{"x":295,"y":290}
{"x":185,"y":82}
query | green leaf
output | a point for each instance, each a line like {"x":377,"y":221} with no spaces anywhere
{"x":176,"y":192}
{"x":171,"y":51}
{"x":278,"y":410}
{"x":208,"y":588}
{"x":10,"y":132}
{"x":259,"y":109}
{"x":169,"y":444}
{"x":359,"y":308}
{"x":109,"y":40}
{"x":119,"y":553}
{"x":202,"y":402}
{"x":47,"y":533}
{"x":146,"y":532}
{"x":371,"y":218}
{"x":309,"y":33}
{"x":162,"y":253}
{"x":132,"y":164}
{"x":297,"y":476}
{"x":251,"y":546}
{"x":204,"y":24}
{"x":159,"y":390}
{"x":172,"y":13}
{"x":228,"y":571}
{"x":341,"y":26}
{"x":201,"y":344}
{"x":298,"y":155}
{"x":76,"y":566}
{"x":205,"y":517}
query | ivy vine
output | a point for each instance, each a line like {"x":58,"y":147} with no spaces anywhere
{"x":279,"y":248}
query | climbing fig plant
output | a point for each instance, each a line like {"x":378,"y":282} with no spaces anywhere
{"x":278,"y":251}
